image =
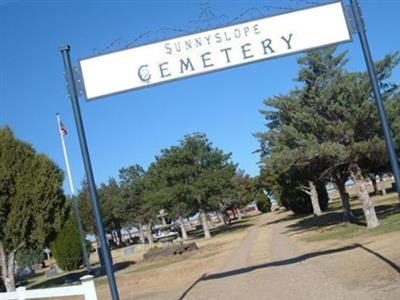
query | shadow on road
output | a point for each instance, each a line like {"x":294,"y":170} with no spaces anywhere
{"x":192,"y":286}
{"x":279,"y":263}
{"x":72,"y":278}
{"x":381,"y":257}
{"x":286,"y":262}
{"x":325,"y":220}
{"x":333,"y":218}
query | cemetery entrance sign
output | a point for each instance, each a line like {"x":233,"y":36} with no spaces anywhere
{"x":214,"y":50}
{"x":210,"y":51}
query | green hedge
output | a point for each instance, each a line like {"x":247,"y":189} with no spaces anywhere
{"x":263,"y":205}
{"x":67,"y":249}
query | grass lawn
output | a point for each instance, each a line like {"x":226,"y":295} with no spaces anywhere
{"x":129,"y":265}
{"x":329,"y":225}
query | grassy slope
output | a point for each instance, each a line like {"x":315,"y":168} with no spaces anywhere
{"x":127,"y":266}
{"x":329,"y":226}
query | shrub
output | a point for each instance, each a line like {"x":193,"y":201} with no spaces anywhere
{"x":27,"y":257}
{"x":296,"y":200}
{"x":66,"y":248}
{"x":263,"y":204}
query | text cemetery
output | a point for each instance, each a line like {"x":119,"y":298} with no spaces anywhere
{"x":213,"y":50}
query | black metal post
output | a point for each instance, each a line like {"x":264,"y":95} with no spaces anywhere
{"x":71,"y":88}
{"x":375,"y":88}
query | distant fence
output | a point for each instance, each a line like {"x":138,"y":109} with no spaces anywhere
{"x":86,"y":289}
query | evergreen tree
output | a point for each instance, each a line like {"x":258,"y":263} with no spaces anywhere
{"x":67,"y":248}
{"x":27,"y":257}
{"x":110,"y":198}
{"x":32,"y":203}
{"x":393,"y":109}
{"x":111,"y":201}
{"x":328,"y":127}
{"x":132,"y":194}
{"x":191,"y":177}
{"x":249,"y":189}
{"x":85,"y":208}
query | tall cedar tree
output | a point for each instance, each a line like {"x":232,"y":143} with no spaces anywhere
{"x":32,"y":203}
{"x":67,"y":247}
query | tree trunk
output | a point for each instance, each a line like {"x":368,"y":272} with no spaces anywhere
{"x":204,"y":223}
{"x":203,"y":218}
{"x":7,"y":263}
{"x":363,"y":196}
{"x":149,"y":236}
{"x":314,"y":198}
{"x":221,"y":218}
{"x":227,"y":218}
{"x":141,"y":234}
{"x":119,"y":233}
{"x":183,"y":229}
{"x":129,"y":234}
{"x":239,"y":214}
{"x":347,"y":212}
{"x":11,"y":265}
{"x":114,"y":237}
{"x":374,"y":184}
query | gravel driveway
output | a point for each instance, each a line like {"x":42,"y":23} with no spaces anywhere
{"x":268,"y":264}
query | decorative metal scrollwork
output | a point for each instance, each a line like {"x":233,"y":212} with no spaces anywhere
{"x":206,"y":20}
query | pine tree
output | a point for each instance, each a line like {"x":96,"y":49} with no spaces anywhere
{"x":190,"y":177}
{"x":329,"y":127}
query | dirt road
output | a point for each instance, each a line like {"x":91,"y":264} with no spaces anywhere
{"x":266,"y":258}
{"x":268,"y":264}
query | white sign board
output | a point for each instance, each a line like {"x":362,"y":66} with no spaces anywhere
{"x":214,"y":50}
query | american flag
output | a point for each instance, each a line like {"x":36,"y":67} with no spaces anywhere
{"x":63,"y":130}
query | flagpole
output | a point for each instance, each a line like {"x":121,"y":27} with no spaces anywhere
{"x":74,"y":203}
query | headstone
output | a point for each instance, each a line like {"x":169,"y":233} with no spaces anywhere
{"x":128,"y":250}
{"x":162,"y":214}
{"x":24,"y":272}
{"x":275,"y":207}
{"x":37,"y":267}
{"x":48,"y":252}
{"x":53,"y":271}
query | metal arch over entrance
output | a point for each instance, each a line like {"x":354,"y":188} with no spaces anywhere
{"x":214,"y":50}
{"x":210,"y":51}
